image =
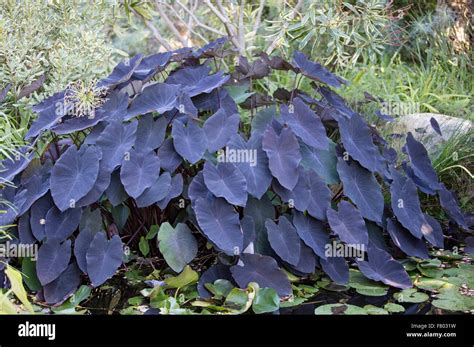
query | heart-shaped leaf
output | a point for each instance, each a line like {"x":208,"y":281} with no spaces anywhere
{"x":226,"y":181}
{"x":190,"y":141}
{"x":220,"y":223}
{"x":103,"y":258}
{"x":362,"y":188}
{"x":53,"y":259}
{"x":74,"y":175}
{"x":263,"y":270}
{"x":139,"y":171}
{"x":284,"y":156}
{"x":177,"y":245}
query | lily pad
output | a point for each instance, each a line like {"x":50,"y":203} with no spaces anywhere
{"x":374,"y":310}
{"x":266,"y":300}
{"x":339,"y":309}
{"x":394,"y":308}
{"x":411,"y":295}
{"x":451,"y":299}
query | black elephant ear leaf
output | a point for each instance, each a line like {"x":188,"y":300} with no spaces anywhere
{"x":382,"y":267}
{"x":150,"y":133}
{"x":60,"y":225}
{"x":255,"y":166}
{"x":435,"y":237}
{"x":336,"y":268}
{"x":38,"y":213}
{"x":49,"y":112}
{"x":384,"y":116}
{"x":284,"y":239}
{"x":31,"y":88}
{"x":449,"y":203}
{"x":256,"y":70}
{"x":53,"y":259}
{"x":196,"y":80}
{"x":159,"y":97}
{"x":36,"y":187}
{"x":323,"y":162}
{"x":81,"y":245}
{"x":435,"y":125}
{"x":263,"y":270}
{"x":220,"y":223}
{"x":74,"y":175}
{"x":336,"y":102}
{"x":212,"y":49}
{"x":409,"y":244}
{"x":420,"y":162}
{"x":151,"y":65}
{"x":100,"y":185}
{"x":362,"y":188}
{"x":219,"y":128}
{"x":103,"y":258}
{"x":4,"y":92}
{"x":312,"y":232}
{"x":198,"y":189}
{"x":139,"y":171}
{"x":121,"y":73}
{"x":406,"y":205}
{"x":158,"y":191}
{"x":348,"y":224}
{"x":284,"y":155}
{"x":63,"y":286}
{"x":215,"y":272}
{"x":189,"y":141}
{"x":224,"y":180}
{"x":169,"y":159}
{"x":115,"y":141}
{"x":357,"y":139}
{"x":422,"y":185}
{"x":306,"y":261}
{"x":175,"y":191}
{"x":10,"y":167}
{"x":115,"y":191}
{"x":305,"y":124}
{"x":316,"y":71}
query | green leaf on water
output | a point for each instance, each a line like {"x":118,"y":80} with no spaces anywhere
{"x":411,"y":295}
{"x":187,"y":277}
{"x":374,"y":310}
{"x":451,"y":299}
{"x":339,"y":309}
{"x":266,"y":300}
{"x":394,"y":308}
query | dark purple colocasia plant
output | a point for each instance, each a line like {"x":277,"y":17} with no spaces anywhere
{"x":166,"y":146}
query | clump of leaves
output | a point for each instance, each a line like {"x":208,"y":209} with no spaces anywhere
{"x":166,"y":157}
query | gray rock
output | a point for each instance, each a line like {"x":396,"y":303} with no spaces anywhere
{"x":419,"y":125}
